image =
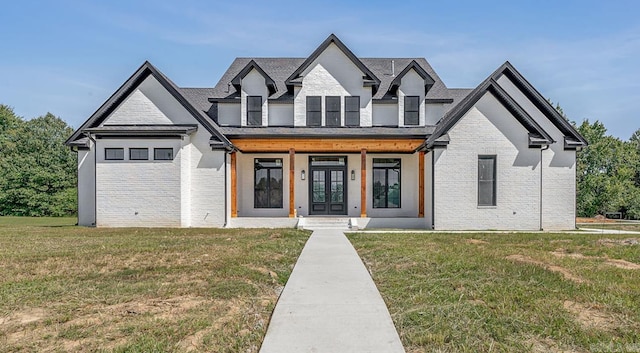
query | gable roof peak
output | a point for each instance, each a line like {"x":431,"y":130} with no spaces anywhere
{"x":129,"y":86}
{"x":253,"y":65}
{"x":369,"y":77}
{"x":413,"y":65}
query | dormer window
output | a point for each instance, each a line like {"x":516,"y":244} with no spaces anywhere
{"x":254,"y":110}
{"x":411,"y":110}
{"x":332,"y":107}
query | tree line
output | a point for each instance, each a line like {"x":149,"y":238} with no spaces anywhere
{"x":38,"y":172}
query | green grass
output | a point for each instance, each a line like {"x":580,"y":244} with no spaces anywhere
{"x":66,"y":288}
{"x":452,"y":293}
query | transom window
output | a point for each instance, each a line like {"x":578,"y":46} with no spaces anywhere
{"x":267,"y":183}
{"x":138,"y":154}
{"x":411,"y":110}
{"x":386,"y":183}
{"x":352,"y":111}
{"x":327,"y":161}
{"x":486,"y":180}
{"x":314,"y":111}
{"x":332,"y":107}
{"x":163,"y":154}
{"x":254,"y":110}
{"x":114,"y":154}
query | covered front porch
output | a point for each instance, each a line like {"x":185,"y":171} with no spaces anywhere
{"x":362,"y":180}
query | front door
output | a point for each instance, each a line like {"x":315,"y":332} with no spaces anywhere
{"x":328,"y":191}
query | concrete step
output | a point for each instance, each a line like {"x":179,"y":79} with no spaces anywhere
{"x":312,"y":223}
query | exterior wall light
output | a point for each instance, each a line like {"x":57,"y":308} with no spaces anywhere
{"x":353,"y":174}
{"x":303,"y":175}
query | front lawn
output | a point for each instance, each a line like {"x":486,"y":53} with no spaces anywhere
{"x":508,"y":292}
{"x":66,"y":288}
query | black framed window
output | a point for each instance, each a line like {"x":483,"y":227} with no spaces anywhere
{"x":486,"y":180}
{"x":352,"y":111}
{"x":267,"y":183}
{"x":114,"y":154}
{"x":332,"y":110}
{"x":386,"y":183}
{"x":163,"y":154}
{"x":411,"y":110}
{"x":138,"y":154}
{"x":314,"y":110}
{"x":254,"y":110}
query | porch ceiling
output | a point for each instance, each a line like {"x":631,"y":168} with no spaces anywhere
{"x":328,"y":145}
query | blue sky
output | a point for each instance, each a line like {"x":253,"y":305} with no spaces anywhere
{"x":67,"y":57}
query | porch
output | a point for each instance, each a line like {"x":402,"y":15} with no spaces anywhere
{"x":373,"y":183}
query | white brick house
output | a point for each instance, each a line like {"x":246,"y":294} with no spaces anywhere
{"x":381,"y":141}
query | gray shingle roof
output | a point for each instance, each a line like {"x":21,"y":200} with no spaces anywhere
{"x":279,"y":69}
{"x":300,"y":131}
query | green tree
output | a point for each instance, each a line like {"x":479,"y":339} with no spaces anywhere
{"x":37,"y":171}
{"x":606,"y":173}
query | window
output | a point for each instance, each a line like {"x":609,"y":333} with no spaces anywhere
{"x":411,"y":110}
{"x":267,"y":183}
{"x":486,"y":180}
{"x":386,"y":183}
{"x":114,"y":154}
{"x":138,"y":154}
{"x":254,"y":110}
{"x":163,"y":154}
{"x":352,"y":111}
{"x":314,"y":111}
{"x":332,"y":107}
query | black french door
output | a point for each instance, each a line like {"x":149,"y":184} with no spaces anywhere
{"x":328,"y":186}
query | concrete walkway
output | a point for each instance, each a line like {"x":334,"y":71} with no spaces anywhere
{"x":330,"y":304}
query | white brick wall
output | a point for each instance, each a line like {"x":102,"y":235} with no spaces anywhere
{"x":332,"y":74}
{"x":188,"y":191}
{"x":487,"y":129}
{"x":559,"y":169}
{"x":138,"y":193}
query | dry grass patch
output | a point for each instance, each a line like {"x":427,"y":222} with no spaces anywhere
{"x":505,"y":292}
{"x":66,"y":288}
{"x":553,"y":268}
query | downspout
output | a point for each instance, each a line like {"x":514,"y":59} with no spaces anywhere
{"x":433,"y":189}
{"x":226,"y":200}
{"x":541,"y":149}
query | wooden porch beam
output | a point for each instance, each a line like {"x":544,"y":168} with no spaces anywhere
{"x":234,"y":186}
{"x":421,"y":184}
{"x":363,"y":183}
{"x":327,"y":145}
{"x":292,"y":175}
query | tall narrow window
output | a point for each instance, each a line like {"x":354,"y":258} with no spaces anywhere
{"x":386,"y":183}
{"x":352,"y":111}
{"x":314,"y":111}
{"x":332,"y":108}
{"x":254,"y":110}
{"x":267,"y":183}
{"x":486,"y":180}
{"x":411,"y":110}
{"x":114,"y":154}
